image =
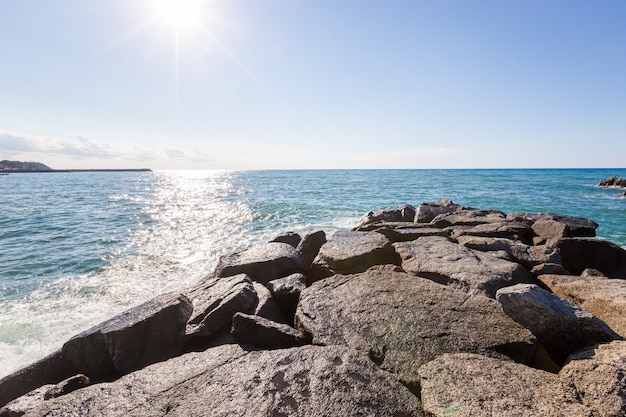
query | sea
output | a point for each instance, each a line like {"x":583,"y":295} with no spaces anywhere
{"x":77,"y":248}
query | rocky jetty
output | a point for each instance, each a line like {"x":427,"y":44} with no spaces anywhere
{"x":428,"y":311}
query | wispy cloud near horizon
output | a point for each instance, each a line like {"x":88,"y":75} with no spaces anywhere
{"x":80,"y":148}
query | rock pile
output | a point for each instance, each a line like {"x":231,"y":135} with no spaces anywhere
{"x":439,"y":310}
{"x":614,"y":182}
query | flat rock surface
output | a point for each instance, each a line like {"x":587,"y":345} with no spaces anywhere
{"x":351,"y":252}
{"x":603,"y":297}
{"x":446,"y":262}
{"x":403,"y":321}
{"x":262,"y":263}
{"x":230,"y":381}
{"x":598,"y":375}
{"x":561,"y":326}
{"x":463,"y":385}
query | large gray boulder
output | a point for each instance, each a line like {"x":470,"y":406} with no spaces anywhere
{"x":309,"y":381}
{"x":262,"y":263}
{"x":446,"y":262}
{"x":427,"y":211}
{"x":574,"y":226}
{"x":561,"y":326}
{"x":267,"y":307}
{"x":403,"y":321}
{"x":526,"y":255}
{"x":464,"y":385}
{"x":506,"y":229}
{"x":149,"y":333}
{"x":215,"y":302}
{"x":580,"y":254}
{"x":598,"y":375}
{"x":403,"y":213}
{"x":351,"y":252}
{"x":52,"y":369}
{"x":603,"y":297}
{"x":309,"y":247}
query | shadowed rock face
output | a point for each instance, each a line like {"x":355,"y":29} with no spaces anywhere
{"x":230,"y":381}
{"x":403,"y":321}
{"x":151,"y":332}
{"x":475,"y":385}
{"x":603,"y":297}
{"x":446,"y":262}
{"x":580,"y":254}
{"x":561,"y":326}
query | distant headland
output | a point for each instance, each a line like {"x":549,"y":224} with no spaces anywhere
{"x":26,"y":167}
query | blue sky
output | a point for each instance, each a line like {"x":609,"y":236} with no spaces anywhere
{"x":261,"y":84}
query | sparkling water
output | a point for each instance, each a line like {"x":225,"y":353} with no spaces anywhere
{"x":78,"y":248}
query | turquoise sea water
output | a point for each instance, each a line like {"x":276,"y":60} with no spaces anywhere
{"x":77,"y":248}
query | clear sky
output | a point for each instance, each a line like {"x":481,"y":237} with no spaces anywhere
{"x":261,"y":84}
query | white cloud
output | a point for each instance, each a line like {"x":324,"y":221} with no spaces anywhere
{"x":66,"y":150}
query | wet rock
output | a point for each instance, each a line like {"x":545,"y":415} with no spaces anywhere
{"x":264,"y":333}
{"x":262,"y":263}
{"x":426,"y":212}
{"x":604,"y":298}
{"x":526,"y":255}
{"x":446,"y":262}
{"x":216,"y":301}
{"x":52,"y":369}
{"x":598,"y":375}
{"x":228,"y":380}
{"x":561,"y":326}
{"x":474,"y":385}
{"x":310,"y":246}
{"x":286,"y":292}
{"x":580,"y":254}
{"x":290,"y":238}
{"x":403,"y":213}
{"x":403,"y":321}
{"x":351,"y":252}
{"x":149,"y":333}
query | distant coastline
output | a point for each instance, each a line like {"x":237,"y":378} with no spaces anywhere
{"x":19,"y":167}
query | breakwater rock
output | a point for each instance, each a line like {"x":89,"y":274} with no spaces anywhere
{"x":613,"y":182}
{"x":436,"y":310}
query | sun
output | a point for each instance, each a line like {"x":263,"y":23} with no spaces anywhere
{"x":178,"y":14}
